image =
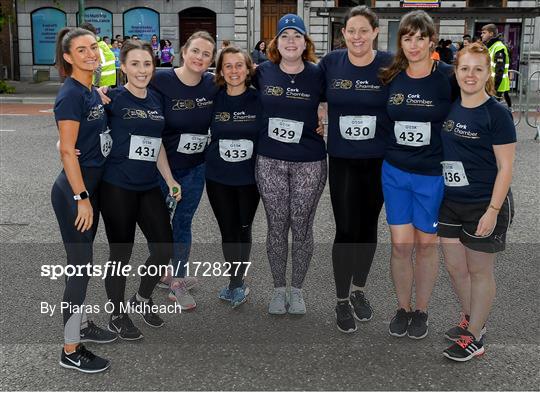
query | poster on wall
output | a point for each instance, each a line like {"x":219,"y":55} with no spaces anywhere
{"x":101,"y":19}
{"x":142,"y":22}
{"x":46,"y":23}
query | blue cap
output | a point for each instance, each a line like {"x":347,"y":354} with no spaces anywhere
{"x":291,"y":21}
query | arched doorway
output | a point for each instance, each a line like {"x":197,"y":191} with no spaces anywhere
{"x":195,"y":19}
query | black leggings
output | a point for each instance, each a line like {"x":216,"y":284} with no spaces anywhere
{"x":122,"y":210}
{"x":234,"y":208}
{"x":506,"y":98}
{"x":78,"y":245}
{"x":357,"y":199}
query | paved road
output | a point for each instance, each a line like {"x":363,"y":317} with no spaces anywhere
{"x":247,"y":349}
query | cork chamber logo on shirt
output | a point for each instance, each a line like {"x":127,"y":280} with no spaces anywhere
{"x":222,"y":116}
{"x":130,"y":114}
{"x":342,"y":84}
{"x":459,"y":129}
{"x":182,"y":105}
{"x":96,"y":113}
{"x":448,"y":125}
{"x":275,"y":91}
{"x":396,"y":99}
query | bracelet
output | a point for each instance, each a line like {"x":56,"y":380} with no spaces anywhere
{"x":494,"y":208}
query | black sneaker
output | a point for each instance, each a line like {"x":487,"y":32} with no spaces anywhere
{"x":344,"y":317}
{"x":400,"y":323}
{"x":84,"y":361}
{"x":418,"y":328}
{"x":95,"y":334}
{"x":453,"y":334}
{"x":145,"y":311}
{"x":125,"y":328}
{"x":465,"y":348}
{"x":362,"y":309}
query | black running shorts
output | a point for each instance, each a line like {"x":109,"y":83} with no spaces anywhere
{"x":460,"y":220}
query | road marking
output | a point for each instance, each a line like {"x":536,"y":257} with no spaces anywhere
{"x":13,"y":114}
{"x":7,"y":130}
{"x":46,"y":110}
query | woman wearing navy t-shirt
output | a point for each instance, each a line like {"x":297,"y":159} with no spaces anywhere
{"x":479,"y":142}
{"x":358,"y":128}
{"x":420,"y":95}
{"x":291,"y":159}
{"x":188,"y":95}
{"x":81,"y":122}
{"x":230,"y":165}
{"x":130,"y":193}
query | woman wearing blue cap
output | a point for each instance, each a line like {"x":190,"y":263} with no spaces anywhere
{"x":291,"y":163}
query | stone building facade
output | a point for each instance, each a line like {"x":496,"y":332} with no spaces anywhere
{"x":244,"y":22}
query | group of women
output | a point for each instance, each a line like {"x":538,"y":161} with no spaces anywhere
{"x":392,"y":122}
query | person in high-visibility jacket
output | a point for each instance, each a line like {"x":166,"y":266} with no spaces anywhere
{"x":105,"y":74}
{"x":500,"y":61}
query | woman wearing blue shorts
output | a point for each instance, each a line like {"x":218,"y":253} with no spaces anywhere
{"x":419,"y":100}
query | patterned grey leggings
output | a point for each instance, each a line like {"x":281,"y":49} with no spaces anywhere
{"x":290,"y":192}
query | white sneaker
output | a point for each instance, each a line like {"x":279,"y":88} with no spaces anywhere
{"x":191,"y":282}
{"x":180,"y":294}
{"x":296,"y":301}
{"x":278,"y":303}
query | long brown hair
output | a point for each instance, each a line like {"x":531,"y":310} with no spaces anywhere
{"x":219,"y":79}
{"x":63,"y":45}
{"x":480,"y":49}
{"x":275,"y":57}
{"x":411,"y":23}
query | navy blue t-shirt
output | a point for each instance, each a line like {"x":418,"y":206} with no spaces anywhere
{"x":356,"y":91}
{"x":236,"y":123}
{"x":188,"y":112}
{"x":75,"y":102}
{"x":468,"y":137}
{"x":136,"y":127}
{"x":290,"y":113}
{"x":418,"y":107}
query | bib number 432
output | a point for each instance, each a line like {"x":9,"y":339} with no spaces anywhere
{"x":412,"y":133}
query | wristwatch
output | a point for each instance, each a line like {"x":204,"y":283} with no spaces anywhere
{"x":81,"y":196}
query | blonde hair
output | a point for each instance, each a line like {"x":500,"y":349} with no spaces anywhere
{"x":480,"y":49}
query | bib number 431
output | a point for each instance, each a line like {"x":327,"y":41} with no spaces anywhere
{"x":144,"y":148}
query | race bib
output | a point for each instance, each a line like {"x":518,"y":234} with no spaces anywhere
{"x":284,"y":130}
{"x":235,"y":150}
{"x":144,"y":148}
{"x":454,"y":174}
{"x":357,"y":128}
{"x":192,"y":143}
{"x":412,"y":133}
{"x":105,"y":140}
